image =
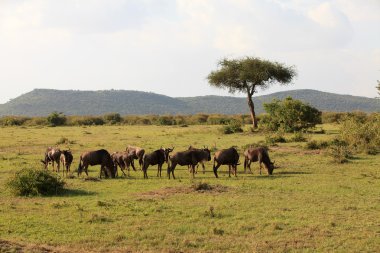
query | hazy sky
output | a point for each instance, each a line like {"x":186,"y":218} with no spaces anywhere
{"x":170,"y":46}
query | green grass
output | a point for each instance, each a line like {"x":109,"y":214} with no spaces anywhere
{"x":309,"y":205}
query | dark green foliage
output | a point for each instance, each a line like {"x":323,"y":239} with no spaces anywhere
{"x":290,"y":115}
{"x":340,"y":151}
{"x":56,"y":119}
{"x":112,"y":118}
{"x":362,"y":133}
{"x":85,"y":121}
{"x":232,"y":127}
{"x":13,"y":121}
{"x":298,"y":137}
{"x":272,"y":139}
{"x":332,"y":117}
{"x":165,"y":121}
{"x":33,"y":182}
{"x":313,"y":144}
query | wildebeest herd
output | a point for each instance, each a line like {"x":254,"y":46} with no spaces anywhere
{"x":192,"y":157}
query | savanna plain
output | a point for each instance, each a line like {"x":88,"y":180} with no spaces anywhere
{"x":309,"y":204}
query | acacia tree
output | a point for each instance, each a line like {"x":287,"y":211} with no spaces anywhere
{"x":247,"y":74}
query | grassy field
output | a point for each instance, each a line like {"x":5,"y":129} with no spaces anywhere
{"x":309,"y":205}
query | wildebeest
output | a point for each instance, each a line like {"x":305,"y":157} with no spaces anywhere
{"x":123,"y":160}
{"x":201,"y":162}
{"x":188,"y":157}
{"x":52,"y":155}
{"x":66,"y":160}
{"x":157,"y":157}
{"x":228,"y":157}
{"x":99,"y":157}
{"x":138,"y":153}
{"x":259,"y":154}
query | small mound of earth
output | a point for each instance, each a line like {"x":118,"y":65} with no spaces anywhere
{"x":197,"y":188}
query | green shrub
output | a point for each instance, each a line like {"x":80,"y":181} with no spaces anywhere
{"x":298,"y":137}
{"x":233,"y":127}
{"x":32,"y":182}
{"x":317,"y":145}
{"x":112,"y":118}
{"x":13,"y":120}
{"x":86,"y":121}
{"x":56,"y":119}
{"x":340,"y":151}
{"x":361,"y":133}
{"x":271,"y":139}
{"x":289,"y":115}
{"x":165,"y":121}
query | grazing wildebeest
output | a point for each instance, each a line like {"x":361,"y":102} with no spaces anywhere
{"x":66,"y":160}
{"x":259,"y":154}
{"x":201,"y":162}
{"x":188,"y":157}
{"x":123,"y":160}
{"x":52,"y":155}
{"x":99,"y":157}
{"x":228,"y":157}
{"x":159,"y":157}
{"x":138,"y":153}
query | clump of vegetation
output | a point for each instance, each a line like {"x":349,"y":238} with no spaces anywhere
{"x":317,"y":145}
{"x":271,"y":139}
{"x":13,"y":121}
{"x":289,"y":115}
{"x":56,"y":119}
{"x":64,"y":140}
{"x":202,"y":186}
{"x":362,"y":134}
{"x":34,"y":182}
{"x":298,"y":137}
{"x":165,"y":120}
{"x":340,"y":151}
{"x":112,"y":118}
{"x":232,"y":127}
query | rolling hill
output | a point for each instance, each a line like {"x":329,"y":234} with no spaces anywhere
{"x":41,"y":102}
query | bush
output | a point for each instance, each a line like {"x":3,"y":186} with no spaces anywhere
{"x":272,"y":139}
{"x":289,"y":115}
{"x":86,"y":121}
{"x":56,"y":119}
{"x":298,"y":137}
{"x":361,"y":133}
{"x":339,"y":151}
{"x":112,"y":118}
{"x":165,"y":121}
{"x":317,"y":145}
{"x":32,"y":182}
{"x":13,"y":121}
{"x":233,"y":127}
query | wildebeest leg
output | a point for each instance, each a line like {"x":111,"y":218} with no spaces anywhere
{"x":133,"y":165}
{"x":193,"y":168}
{"x":216,"y":170}
{"x":171,"y":169}
{"x":229,"y":170}
{"x":204,"y":168}
{"x":86,"y":169}
{"x":260,"y":167}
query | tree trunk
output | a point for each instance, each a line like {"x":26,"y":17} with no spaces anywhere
{"x":252,"y":109}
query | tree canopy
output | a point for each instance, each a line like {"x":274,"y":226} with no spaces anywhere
{"x":247,"y":74}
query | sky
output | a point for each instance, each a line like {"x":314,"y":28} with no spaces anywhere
{"x":170,"y":46}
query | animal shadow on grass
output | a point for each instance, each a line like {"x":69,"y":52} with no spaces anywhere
{"x":293,"y":173}
{"x":75,"y":192}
